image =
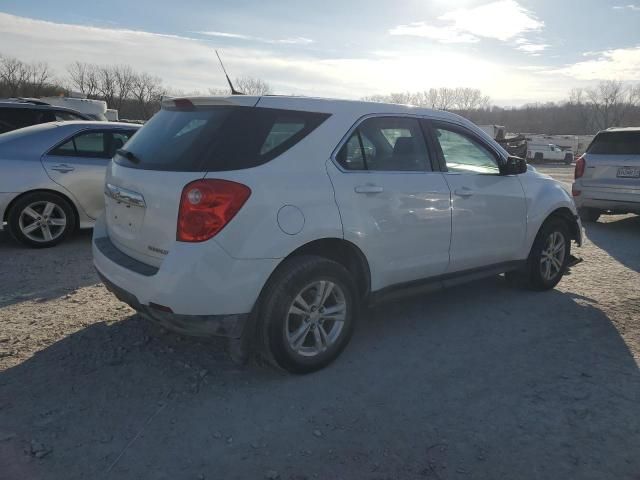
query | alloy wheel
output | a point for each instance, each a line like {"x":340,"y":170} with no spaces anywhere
{"x":316,"y":318}
{"x":42,"y":221}
{"x":552,"y":256}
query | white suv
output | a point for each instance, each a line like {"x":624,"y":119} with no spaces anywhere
{"x":271,"y":220}
{"x":607,"y":176}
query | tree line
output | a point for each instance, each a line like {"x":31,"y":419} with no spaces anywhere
{"x":137,"y":95}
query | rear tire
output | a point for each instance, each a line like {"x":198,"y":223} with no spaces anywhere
{"x":549,"y":256}
{"x":568,"y":159}
{"x":589,"y":214}
{"x":308,"y":314}
{"x":41,"y":219}
{"x":538,"y":157}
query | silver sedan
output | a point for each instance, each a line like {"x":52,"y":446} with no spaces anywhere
{"x":52,"y":177}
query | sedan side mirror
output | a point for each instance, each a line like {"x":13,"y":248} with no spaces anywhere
{"x":513,"y":166}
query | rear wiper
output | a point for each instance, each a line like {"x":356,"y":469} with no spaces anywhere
{"x":128,"y":155}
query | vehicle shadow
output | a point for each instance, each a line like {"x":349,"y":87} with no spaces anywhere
{"x":619,"y":236}
{"x":480,"y":381}
{"x":28,"y":274}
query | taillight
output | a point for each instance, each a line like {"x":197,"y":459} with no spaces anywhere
{"x":580,"y":166}
{"x":206,"y":206}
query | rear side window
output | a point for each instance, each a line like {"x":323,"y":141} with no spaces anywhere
{"x":217,"y":138}
{"x":615,"y":143}
{"x":93,"y":144}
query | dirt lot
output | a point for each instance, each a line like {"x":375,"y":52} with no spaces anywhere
{"x":481,"y":381}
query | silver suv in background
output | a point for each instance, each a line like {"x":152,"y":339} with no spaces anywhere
{"x":607,"y":176}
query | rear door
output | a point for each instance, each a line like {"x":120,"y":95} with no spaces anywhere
{"x":392,"y":202}
{"x":79,"y":164}
{"x":489,"y":215}
{"x":613,"y":162}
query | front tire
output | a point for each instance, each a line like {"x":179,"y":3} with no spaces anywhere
{"x":549,"y":255}
{"x":41,"y":219}
{"x":308,"y":314}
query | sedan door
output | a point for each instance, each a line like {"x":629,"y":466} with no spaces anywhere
{"x":79,"y":165}
{"x":393,"y":205}
{"x":489,"y":212}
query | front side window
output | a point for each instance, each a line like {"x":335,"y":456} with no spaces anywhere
{"x":465,"y":155}
{"x":386,"y":144}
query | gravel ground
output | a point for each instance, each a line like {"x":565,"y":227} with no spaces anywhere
{"x":480,"y":381}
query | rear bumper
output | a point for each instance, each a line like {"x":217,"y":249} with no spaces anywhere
{"x":230,"y":326}
{"x":608,"y":199}
{"x":203,"y":290}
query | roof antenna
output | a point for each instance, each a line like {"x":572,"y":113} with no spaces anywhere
{"x":233,"y":90}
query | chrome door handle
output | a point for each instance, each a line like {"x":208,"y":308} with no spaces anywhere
{"x":62,"y":167}
{"x":464,"y":192}
{"x":368,"y":189}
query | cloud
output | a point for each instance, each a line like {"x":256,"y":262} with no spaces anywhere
{"x":618,"y":64}
{"x":501,"y":20}
{"x":440,"y":34}
{"x":239,"y":36}
{"x":532,"y":47}
{"x":190,"y":64}
{"x":635,"y":8}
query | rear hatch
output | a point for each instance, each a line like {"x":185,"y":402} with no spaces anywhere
{"x":613,"y":161}
{"x":181,"y":144}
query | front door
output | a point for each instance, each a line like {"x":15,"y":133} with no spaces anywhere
{"x":489,"y":212}
{"x":393,"y":205}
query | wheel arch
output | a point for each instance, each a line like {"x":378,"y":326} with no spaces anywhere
{"x":565,"y":214}
{"x":341,"y":251}
{"x":43,"y":190}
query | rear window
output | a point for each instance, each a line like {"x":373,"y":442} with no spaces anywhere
{"x":615,"y":143}
{"x":217,"y":138}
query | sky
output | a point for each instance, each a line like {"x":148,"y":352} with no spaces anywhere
{"x":515,"y":51}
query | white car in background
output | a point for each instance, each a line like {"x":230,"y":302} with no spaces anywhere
{"x":607,"y":176}
{"x":549,"y":153}
{"x":52,"y":177}
{"x":271,"y":220}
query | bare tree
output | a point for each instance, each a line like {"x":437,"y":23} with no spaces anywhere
{"x":39,"y":77}
{"x":14,"y":74}
{"x":107,"y":83}
{"x":85,"y":78}
{"x":610,"y":101}
{"x":252,"y":86}
{"x":147,"y":91}
{"x":466,"y":99}
{"x":124,"y":78}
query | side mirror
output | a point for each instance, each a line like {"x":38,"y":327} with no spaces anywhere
{"x":513,"y":166}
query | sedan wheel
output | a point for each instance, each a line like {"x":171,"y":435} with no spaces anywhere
{"x":42,"y":221}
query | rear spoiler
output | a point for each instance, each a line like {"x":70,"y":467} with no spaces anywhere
{"x":193,"y":102}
